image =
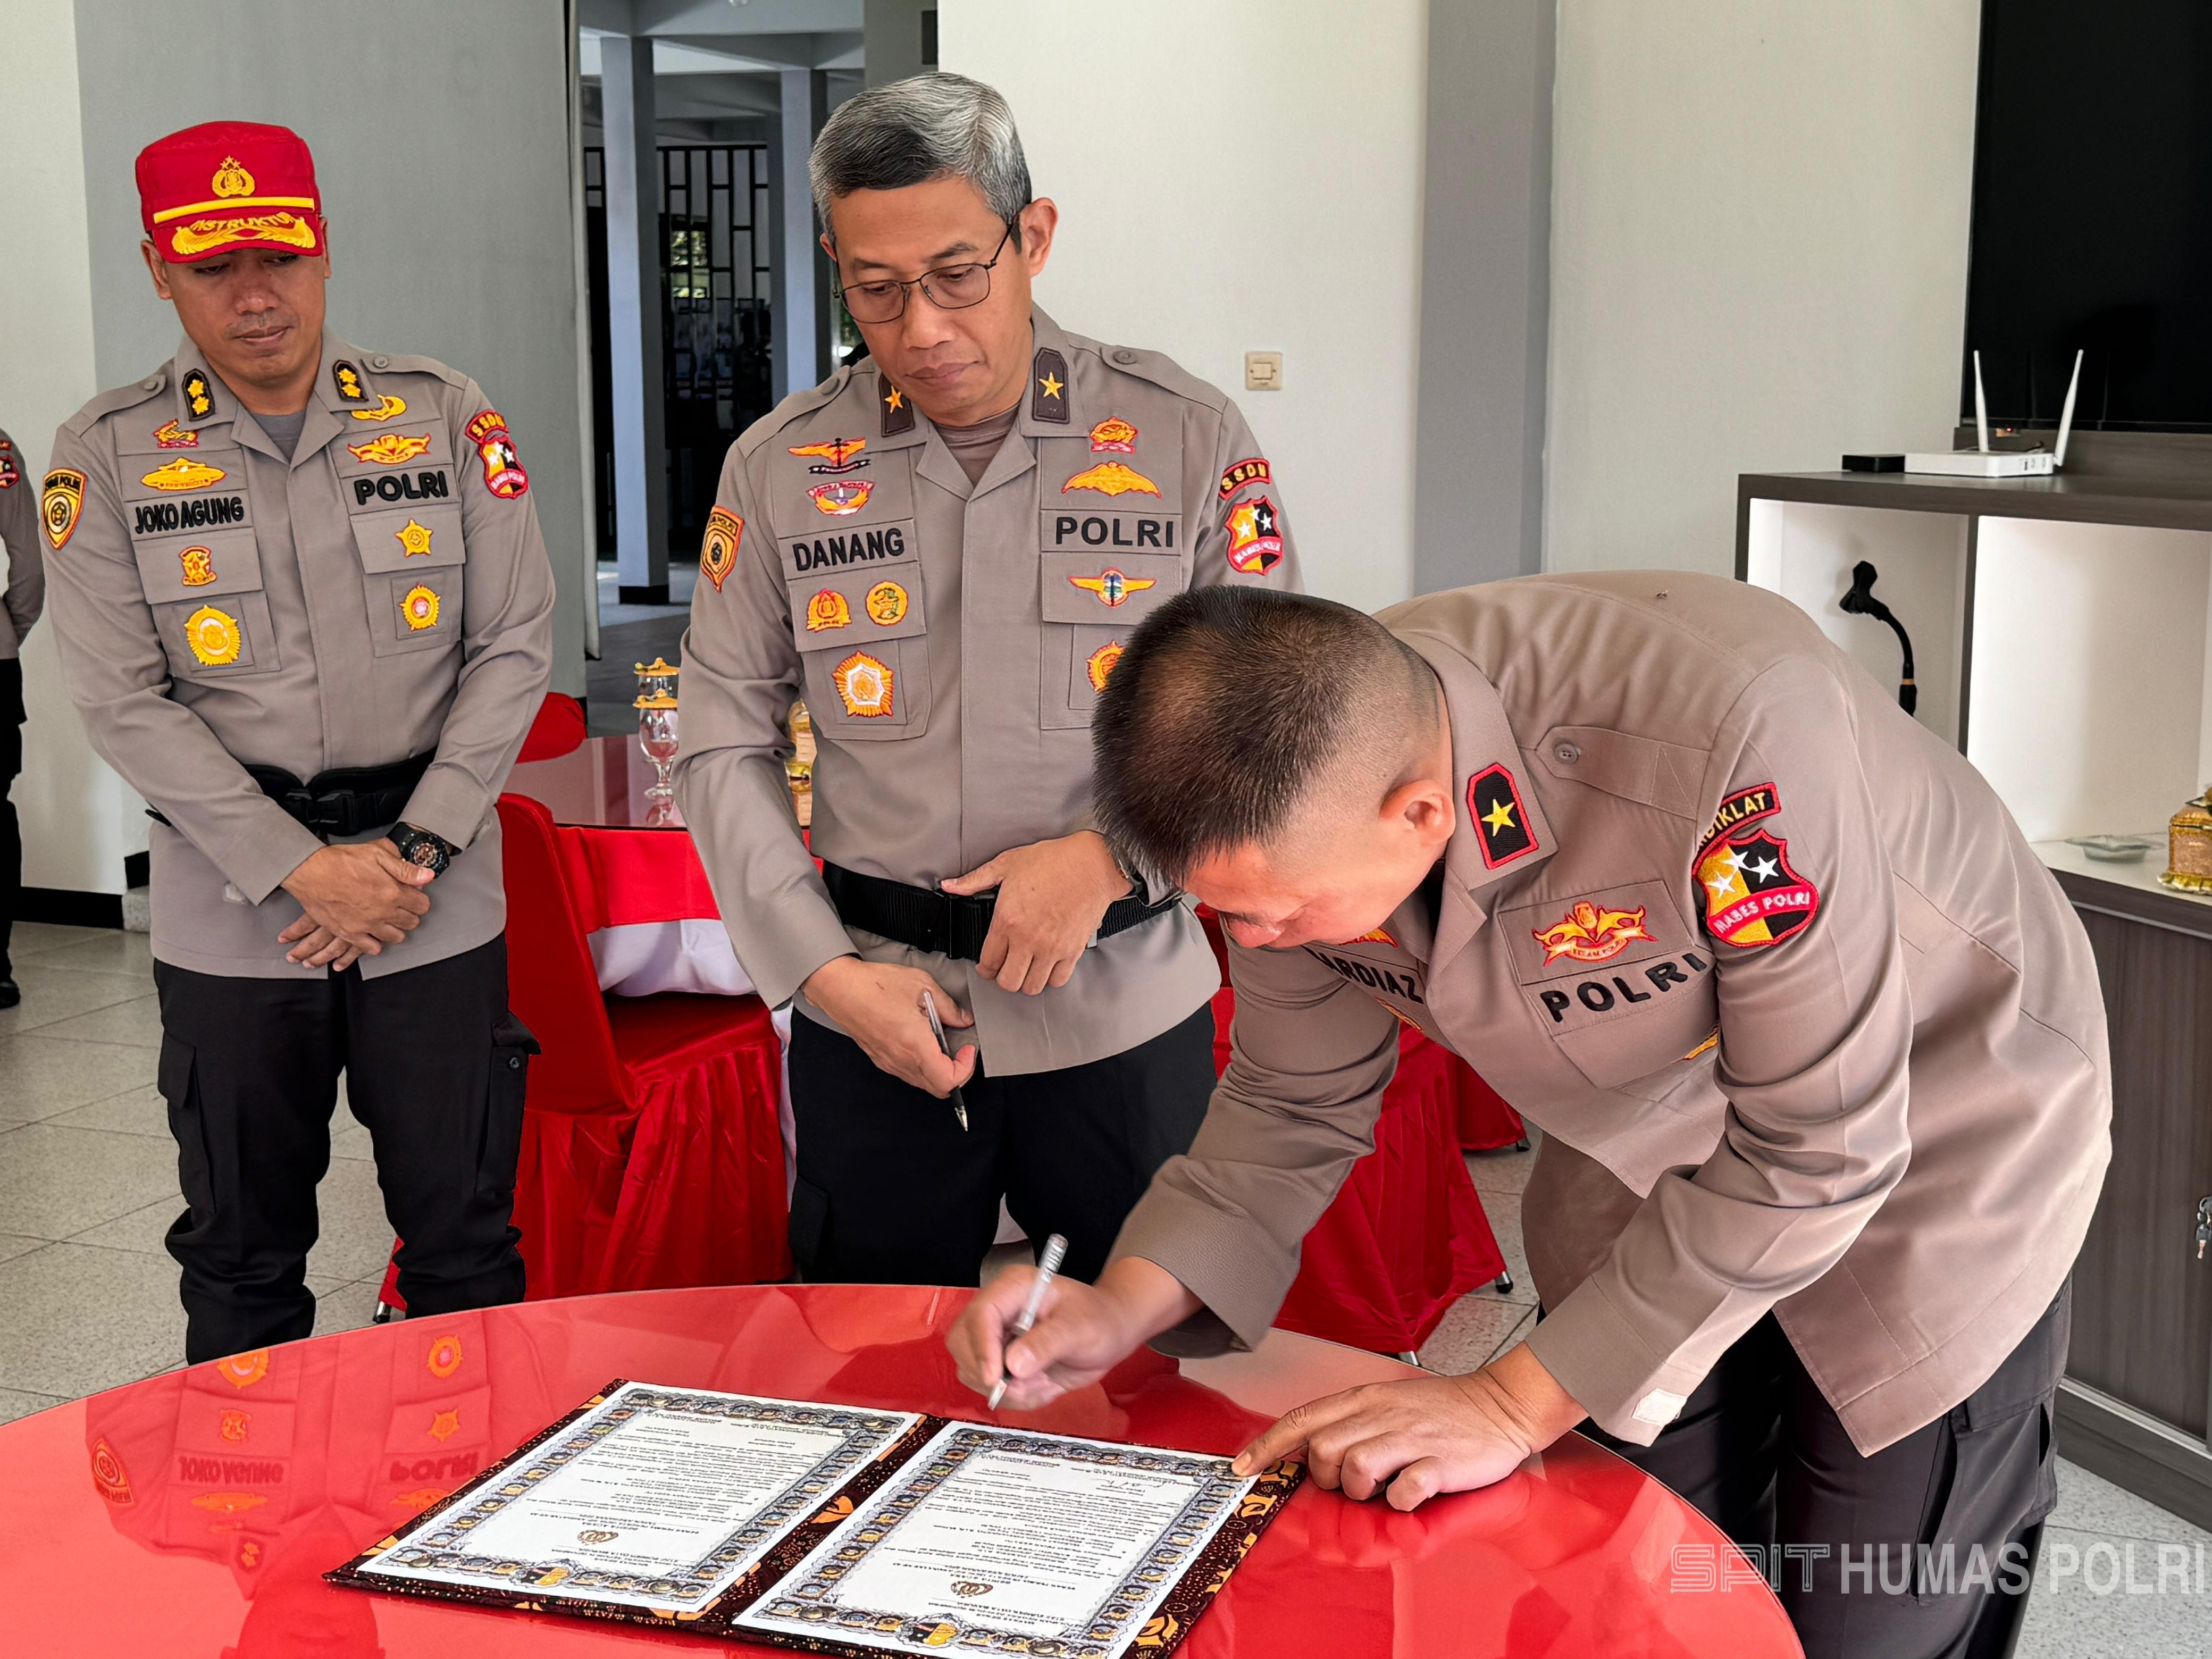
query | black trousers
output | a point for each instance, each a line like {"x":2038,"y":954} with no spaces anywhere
{"x":1924,"y":1550}
{"x":436,"y":1067}
{"x":11,"y":832}
{"x":891,"y":1192}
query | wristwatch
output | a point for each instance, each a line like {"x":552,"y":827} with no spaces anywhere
{"x":433,"y":852}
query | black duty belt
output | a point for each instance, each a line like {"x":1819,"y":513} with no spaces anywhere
{"x":946,"y":924}
{"x":344,"y":801}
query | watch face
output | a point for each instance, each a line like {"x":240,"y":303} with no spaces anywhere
{"x":424,"y":852}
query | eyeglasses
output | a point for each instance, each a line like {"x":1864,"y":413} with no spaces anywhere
{"x":950,"y":287}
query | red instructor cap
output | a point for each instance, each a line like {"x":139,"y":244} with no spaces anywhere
{"x":227,"y":185}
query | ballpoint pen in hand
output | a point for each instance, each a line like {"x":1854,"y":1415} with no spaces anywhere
{"x":937,"y":1027}
{"x":1055,"y":1252}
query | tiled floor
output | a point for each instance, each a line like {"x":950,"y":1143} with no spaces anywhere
{"x":89,"y":1298}
{"x":88,"y":1181}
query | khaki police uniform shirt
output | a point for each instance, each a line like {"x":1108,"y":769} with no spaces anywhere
{"x":23,"y":593}
{"x":949,"y":642}
{"x":1805,"y":1024}
{"x":383,"y":593}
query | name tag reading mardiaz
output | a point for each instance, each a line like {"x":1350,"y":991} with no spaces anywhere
{"x":837,"y":1529}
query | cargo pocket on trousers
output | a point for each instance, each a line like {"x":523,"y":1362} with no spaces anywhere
{"x":1991,"y":1480}
{"x":512,"y":1045}
{"x":175,"y":1079}
{"x":810,"y":1221}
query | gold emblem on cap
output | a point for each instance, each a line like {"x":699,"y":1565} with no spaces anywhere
{"x":420,"y":608}
{"x":414,"y":538}
{"x":232,"y":179}
{"x":213,"y":637}
{"x":181,"y":474}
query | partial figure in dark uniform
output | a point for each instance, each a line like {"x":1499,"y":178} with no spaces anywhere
{"x":304,"y":607}
{"x":22,"y":589}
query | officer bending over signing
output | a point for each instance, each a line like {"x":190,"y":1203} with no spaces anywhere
{"x":944,"y":549}
{"x":303,"y":606}
{"x":1814,"y":1040}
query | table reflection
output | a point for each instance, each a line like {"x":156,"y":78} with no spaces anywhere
{"x":271,"y":1469}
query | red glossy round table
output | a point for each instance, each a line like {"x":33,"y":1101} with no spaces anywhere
{"x":193,"y":1514}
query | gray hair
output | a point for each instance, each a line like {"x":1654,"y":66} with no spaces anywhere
{"x":927,"y":126}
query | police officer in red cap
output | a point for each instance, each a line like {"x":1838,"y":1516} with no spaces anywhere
{"x":303,"y":605}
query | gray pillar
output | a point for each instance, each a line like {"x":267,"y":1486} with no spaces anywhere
{"x":633,"y":176}
{"x":890,"y":40}
{"x":799,"y":276}
{"x":1486,"y":280}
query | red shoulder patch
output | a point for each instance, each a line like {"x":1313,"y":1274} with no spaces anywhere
{"x":1753,"y":896}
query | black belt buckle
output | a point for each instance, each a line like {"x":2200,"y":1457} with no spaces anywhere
{"x":967,"y":922}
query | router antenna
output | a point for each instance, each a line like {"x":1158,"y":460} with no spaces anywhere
{"x":2066,"y":415}
{"x":1981,"y":407}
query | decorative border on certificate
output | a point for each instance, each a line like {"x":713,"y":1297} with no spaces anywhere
{"x":1187,"y":1565}
{"x":425,"y":1556}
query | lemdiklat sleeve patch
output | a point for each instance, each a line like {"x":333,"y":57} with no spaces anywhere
{"x":1753,"y":896}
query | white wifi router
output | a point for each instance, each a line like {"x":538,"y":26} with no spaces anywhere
{"x":1986,"y":463}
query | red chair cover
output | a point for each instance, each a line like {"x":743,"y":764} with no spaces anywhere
{"x":558,"y":729}
{"x":651,"y":1154}
{"x":1406,"y":1237}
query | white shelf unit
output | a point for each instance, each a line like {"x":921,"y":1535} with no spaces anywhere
{"x":2071,"y":661}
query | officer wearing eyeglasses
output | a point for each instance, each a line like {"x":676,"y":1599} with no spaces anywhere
{"x":942,"y":549}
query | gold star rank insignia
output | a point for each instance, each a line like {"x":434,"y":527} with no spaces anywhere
{"x":1493,"y":801}
{"x":1049,"y":371}
{"x":414,"y":539}
{"x":898,"y":414}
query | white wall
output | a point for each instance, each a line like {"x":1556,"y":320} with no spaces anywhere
{"x":1758,"y":255}
{"x":1239,"y":175}
{"x":74,"y":809}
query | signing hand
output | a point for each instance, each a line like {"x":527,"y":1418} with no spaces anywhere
{"x":1052,"y":895}
{"x":1083,"y":1331}
{"x":357,"y":899}
{"x":879,"y":1005}
{"x":1425,"y":1435}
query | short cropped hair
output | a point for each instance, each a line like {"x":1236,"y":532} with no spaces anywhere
{"x":1228,"y":707}
{"x":926,"y":126}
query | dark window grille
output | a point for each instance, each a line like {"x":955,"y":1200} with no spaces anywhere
{"x":715,"y":286}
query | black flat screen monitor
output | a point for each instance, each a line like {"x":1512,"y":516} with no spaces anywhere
{"x":2092,"y":214}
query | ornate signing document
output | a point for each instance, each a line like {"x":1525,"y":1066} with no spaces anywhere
{"x":836,"y":1529}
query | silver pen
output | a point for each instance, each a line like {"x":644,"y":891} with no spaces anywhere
{"x":1055,"y":1252}
{"x":937,"y":1029}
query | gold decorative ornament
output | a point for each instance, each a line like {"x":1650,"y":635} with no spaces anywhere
{"x":2188,"y":847}
{"x":420,"y":609}
{"x":414,"y":540}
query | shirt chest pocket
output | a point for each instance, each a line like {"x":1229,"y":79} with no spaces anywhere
{"x":1617,"y":981}
{"x":863,"y":639}
{"x":209,"y":607}
{"x":413,"y":566}
{"x":1091,"y":603}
